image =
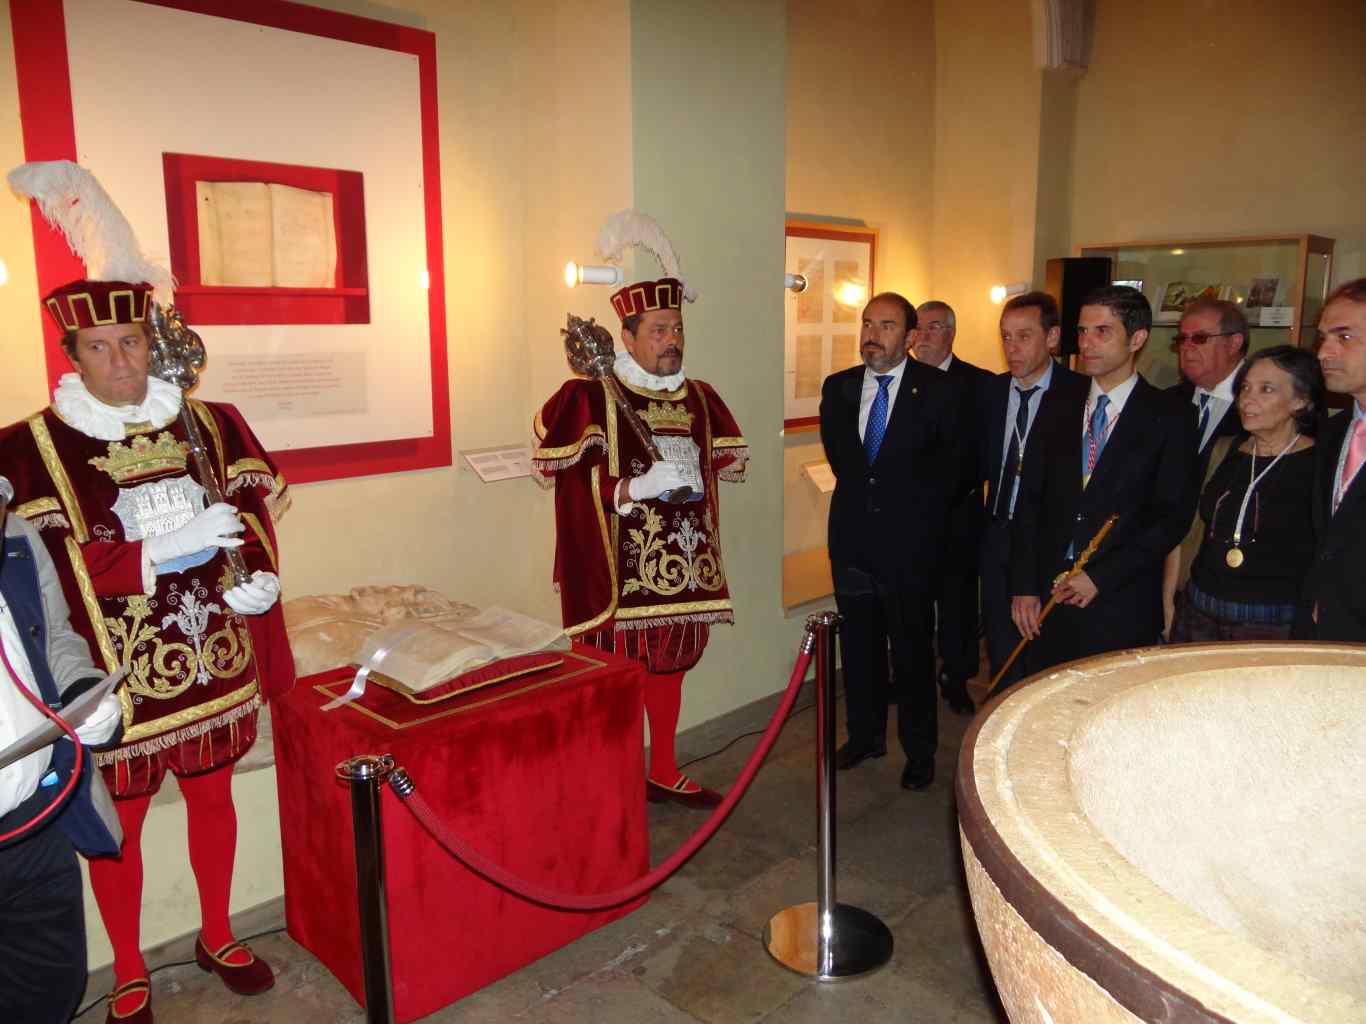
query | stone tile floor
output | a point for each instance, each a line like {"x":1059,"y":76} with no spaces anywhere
{"x":693,"y":952}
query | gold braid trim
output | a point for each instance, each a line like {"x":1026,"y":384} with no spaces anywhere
{"x":592,"y":435}
{"x":729,"y":442}
{"x":598,"y":620}
{"x":53,"y":462}
{"x":92,"y":605}
{"x":124,"y":751}
{"x":250,"y":519}
{"x":691,"y":610}
{"x":38,"y":507}
{"x":667,"y":396}
{"x":279,"y":500}
{"x":551,"y":465}
{"x":247,"y":465}
{"x":206,"y":417}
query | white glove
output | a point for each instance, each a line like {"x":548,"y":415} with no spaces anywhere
{"x":212,"y":528}
{"x":661,"y":477}
{"x":255,"y":596}
{"x":102,"y":721}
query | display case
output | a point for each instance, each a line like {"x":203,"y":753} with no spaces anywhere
{"x":1279,"y":280}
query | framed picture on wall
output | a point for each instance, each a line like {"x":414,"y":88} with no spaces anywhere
{"x":299,"y":206}
{"x":821,"y":323}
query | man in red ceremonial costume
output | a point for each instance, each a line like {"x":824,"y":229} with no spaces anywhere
{"x":638,"y":574}
{"x":105,"y":475}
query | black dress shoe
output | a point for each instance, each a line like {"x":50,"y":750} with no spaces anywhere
{"x":853,"y":753}
{"x":955,"y":693}
{"x":918,"y":774}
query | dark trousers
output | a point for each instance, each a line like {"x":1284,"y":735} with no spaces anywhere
{"x":42,"y":930}
{"x":957,"y":612}
{"x":1002,"y":636}
{"x":876,"y":614}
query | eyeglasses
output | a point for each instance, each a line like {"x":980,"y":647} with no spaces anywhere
{"x":1197,"y":337}
{"x":936,"y":327}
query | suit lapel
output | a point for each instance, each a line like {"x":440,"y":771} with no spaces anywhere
{"x":904,"y":412}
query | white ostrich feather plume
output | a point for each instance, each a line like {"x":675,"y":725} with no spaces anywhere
{"x":631,"y":227}
{"x":75,"y":203}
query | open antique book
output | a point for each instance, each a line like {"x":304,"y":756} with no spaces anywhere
{"x":421,"y":655}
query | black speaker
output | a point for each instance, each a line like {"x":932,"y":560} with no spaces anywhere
{"x":1068,"y":280}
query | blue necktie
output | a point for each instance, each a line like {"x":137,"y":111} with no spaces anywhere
{"x":1204,"y":418}
{"x":877,"y":419}
{"x":1096,"y":436}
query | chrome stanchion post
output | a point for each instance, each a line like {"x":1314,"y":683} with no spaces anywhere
{"x":826,"y":940}
{"x":366,"y":775}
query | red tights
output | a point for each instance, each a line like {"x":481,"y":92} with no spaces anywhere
{"x":663,"y":698}
{"x":117,"y":881}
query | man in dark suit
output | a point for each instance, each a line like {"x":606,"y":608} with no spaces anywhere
{"x":1335,"y":587}
{"x":893,"y":436}
{"x":1211,"y":344}
{"x":1122,"y":447}
{"x":1029,"y":332}
{"x":956,"y":598}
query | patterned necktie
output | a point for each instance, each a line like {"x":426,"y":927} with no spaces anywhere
{"x":1204,"y":416}
{"x":877,"y":419}
{"x":1010,"y":469}
{"x":1096,"y":435}
{"x":1356,"y":455}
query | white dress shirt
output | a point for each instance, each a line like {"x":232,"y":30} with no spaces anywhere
{"x":948,"y":361}
{"x":17,"y":716}
{"x":1013,"y":411}
{"x":1118,"y":395}
{"x":1220,"y":402}
{"x":870,"y":387}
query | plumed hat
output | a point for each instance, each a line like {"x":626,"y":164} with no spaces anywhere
{"x":119,"y":279}
{"x":632,"y":228}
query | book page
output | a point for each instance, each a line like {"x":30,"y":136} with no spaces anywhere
{"x":420,"y":654}
{"x":506,"y":632}
{"x":234,"y":233}
{"x":304,"y":238}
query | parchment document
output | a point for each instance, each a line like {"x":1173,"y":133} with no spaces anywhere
{"x":256,"y":234}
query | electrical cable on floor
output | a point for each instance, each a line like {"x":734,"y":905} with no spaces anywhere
{"x":745,"y":735}
{"x":177,"y":963}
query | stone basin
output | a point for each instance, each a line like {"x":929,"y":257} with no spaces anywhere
{"x":1174,"y":834}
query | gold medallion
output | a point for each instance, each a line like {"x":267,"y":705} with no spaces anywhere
{"x":1234,"y":558}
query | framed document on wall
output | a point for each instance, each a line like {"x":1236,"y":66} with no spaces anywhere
{"x":284,"y":161}
{"x":821,"y":324}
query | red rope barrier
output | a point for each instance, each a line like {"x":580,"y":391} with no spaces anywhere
{"x":535,"y":893}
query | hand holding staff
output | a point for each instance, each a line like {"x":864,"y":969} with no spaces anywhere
{"x":1067,"y":589}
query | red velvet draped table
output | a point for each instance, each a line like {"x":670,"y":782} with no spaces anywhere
{"x":543,"y":774}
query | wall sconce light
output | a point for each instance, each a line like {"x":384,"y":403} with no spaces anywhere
{"x":797,"y":282}
{"x":1001,"y":292}
{"x":574,"y":274}
{"x":851,"y":293}
{"x":4,"y":273}
{"x":424,"y":280}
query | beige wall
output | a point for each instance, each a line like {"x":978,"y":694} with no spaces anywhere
{"x":988,"y":97}
{"x":1257,"y":128}
{"x":707,"y":93}
{"x":860,"y":145}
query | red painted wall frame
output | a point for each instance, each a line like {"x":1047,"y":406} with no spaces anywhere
{"x":346,"y":302}
{"x":49,"y":132}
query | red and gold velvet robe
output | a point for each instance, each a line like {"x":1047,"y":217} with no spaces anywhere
{"x":192,"y":662}
{"x":661,"y":563}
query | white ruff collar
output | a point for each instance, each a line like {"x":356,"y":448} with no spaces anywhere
{"x":631,"y":372}
{"x":82,"y":410}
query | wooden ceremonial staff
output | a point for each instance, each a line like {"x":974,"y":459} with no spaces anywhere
{"x":1062,"y":577}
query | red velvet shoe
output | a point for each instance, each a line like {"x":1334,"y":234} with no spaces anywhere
{"x":248,"y":979}
{"x":685,"y":791}
{"x":142,"y":1014}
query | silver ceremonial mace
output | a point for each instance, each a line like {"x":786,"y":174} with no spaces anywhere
{"x":591,"y":352}
{"x":177,"y":358}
